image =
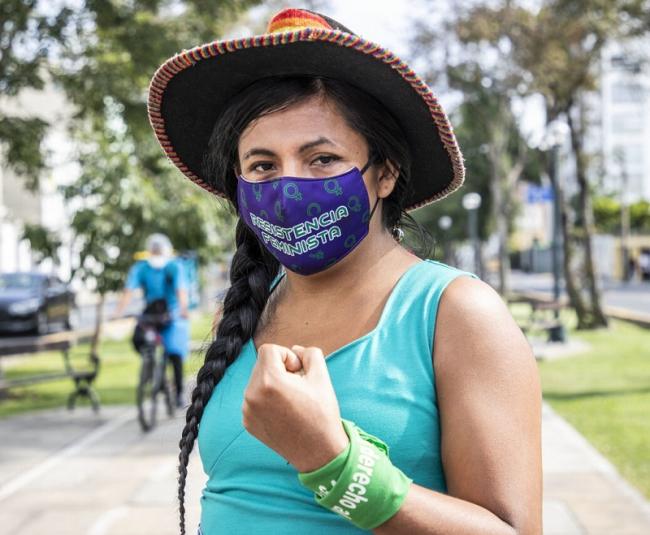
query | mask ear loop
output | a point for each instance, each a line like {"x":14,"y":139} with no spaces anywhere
{"x":371,"y":160}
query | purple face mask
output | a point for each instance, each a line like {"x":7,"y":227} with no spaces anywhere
{"x":308,"y":224}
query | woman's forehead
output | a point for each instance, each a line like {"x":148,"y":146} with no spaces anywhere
{"x":298,"y":124}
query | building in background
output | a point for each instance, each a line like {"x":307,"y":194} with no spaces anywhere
{"x":18,"y":205}
{"x":625,"y":120}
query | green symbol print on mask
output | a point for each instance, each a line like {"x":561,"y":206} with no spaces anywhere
{"x":264,"y":214}
{"x":365,"y":217}
{"x":318,"y":255}
{"x":277,"y":208}
{"x":350,"y":241}
{"x":242,"y":199}
{"x":257,"y":191}
{"x":275,"y":185}
{"x":291,"y":191}
{"x":354,"y":203}
{"x":332,"y":186}
{"x":313,"y":209}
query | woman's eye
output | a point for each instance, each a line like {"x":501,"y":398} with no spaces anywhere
{"x":261,"y":167}
{"x":326,"y":159}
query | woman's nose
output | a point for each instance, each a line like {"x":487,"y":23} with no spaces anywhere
{"x":294,"y":168}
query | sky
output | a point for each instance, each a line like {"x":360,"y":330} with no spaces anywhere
{"x":390,"y":23}
{"x":383,"y":21}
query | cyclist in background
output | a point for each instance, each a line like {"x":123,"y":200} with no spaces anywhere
{"x":160,"y":277}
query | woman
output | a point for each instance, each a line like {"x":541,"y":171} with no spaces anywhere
{"x":343,"y":392}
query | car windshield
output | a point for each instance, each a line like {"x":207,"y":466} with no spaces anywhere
{"x":18,"y":281}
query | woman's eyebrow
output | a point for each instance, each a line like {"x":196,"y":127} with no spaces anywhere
{"x":257,"y":151}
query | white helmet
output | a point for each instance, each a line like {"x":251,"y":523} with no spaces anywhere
{"x":159,"y":247}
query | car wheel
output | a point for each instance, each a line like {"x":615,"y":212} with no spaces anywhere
{"x":41,"y":323}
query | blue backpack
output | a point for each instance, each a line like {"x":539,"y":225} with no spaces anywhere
{"x":157,"y":311}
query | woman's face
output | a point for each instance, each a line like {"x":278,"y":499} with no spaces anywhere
{"x":308,"y":139}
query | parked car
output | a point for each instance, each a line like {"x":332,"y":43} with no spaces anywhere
{"x":34,"y":302}
{"x":644,"y":264}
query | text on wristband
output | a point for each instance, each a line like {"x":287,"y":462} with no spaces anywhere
{"x":361,"y":478}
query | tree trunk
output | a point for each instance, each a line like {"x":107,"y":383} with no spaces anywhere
{"x":501,"y":222}
{"x":585,"y":211}
{"x":500,"y":192}
{"x":575,"y":298}
{"x":503,"y":219}
{"x":99,"y":319}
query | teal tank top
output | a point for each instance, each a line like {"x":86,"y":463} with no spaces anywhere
{"x":384,"y":382}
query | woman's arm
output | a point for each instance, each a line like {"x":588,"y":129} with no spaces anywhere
{"x":181,"y":295}
{"x":489,"y":400}
{"x":124,"y":301}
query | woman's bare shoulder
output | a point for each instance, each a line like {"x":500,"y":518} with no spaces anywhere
{"x":474,"y":328}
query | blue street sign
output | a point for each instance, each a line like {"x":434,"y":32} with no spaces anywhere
{"x":538,"y":194}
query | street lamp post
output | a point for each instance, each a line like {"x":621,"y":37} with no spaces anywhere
{"x":471,"y":203}
{"x":626,"y":272}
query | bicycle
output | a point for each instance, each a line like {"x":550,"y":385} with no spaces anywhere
{"x":153,"y":379}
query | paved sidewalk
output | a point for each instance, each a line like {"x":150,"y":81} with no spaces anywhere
{"x":583,"y":492}
{"x":78,"y":474}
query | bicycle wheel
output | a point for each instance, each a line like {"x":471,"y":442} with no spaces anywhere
{"x":163,"y":385}
{"x":168,"y":387}
{"x":146,"y":391}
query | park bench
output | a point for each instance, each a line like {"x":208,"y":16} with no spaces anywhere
{"x":542,"y":316}
{"x":30,"y":345}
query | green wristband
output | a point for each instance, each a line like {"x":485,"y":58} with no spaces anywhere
{"x":323,"y":479}
{"x":369,"y":489}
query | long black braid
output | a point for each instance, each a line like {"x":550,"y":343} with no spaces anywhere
{"x":251,"y":273}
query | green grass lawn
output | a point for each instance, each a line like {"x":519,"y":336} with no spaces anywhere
{"x":115,"y":384}
{"x":605,"y":394}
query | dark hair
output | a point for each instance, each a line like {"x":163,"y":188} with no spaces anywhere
{"x":253,"y":267}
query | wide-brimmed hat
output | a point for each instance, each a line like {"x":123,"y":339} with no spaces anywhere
{"x":189,"y":91}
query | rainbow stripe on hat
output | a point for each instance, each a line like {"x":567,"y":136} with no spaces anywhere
{"x":290,"y":20}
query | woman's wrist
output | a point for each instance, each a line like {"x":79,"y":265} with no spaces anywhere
{"x":330,"y":450}
{"x":360,"y":484}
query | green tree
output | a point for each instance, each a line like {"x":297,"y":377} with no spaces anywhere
{"x":558,"y":48}
{"x":607,"y":214}
{"x":487,"y":114}
{"x":44,"y":243}
{"x":106,"y":53}
{"x":26,"y":36}
{"x":496,"y":154}
{"x":640,"y":217}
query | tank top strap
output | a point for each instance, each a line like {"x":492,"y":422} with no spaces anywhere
{"x":412,"y":308}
